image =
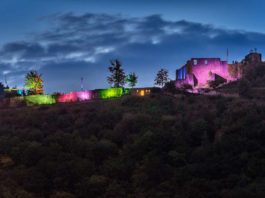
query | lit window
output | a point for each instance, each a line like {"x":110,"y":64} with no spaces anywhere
{"x":195,"y":62}
{"x":206,"y":62}
{"x":142,"y":93}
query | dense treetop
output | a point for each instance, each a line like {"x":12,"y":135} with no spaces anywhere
{"x":157,"y":146}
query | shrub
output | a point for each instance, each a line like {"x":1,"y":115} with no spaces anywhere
{"x":244,"y":88}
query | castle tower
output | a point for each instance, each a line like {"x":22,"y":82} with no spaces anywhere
{"x":253,"y":57}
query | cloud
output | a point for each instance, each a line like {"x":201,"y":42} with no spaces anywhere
{"x":82,"y":45}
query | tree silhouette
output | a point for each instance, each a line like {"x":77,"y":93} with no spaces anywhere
{"x":170,"y":87}
{"x":132,"y":79}
{"x":2,"y":87}
{"x":117,"y":77}
{"x":161,"y":77}
{"x":34,"y":82}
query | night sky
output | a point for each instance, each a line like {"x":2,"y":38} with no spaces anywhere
{"x":68,"y":39}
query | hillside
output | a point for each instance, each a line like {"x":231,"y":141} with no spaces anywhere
{"x":157,"y":146}
{"x":252,"y":85}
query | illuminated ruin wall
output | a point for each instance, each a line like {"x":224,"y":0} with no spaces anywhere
{"x":78,"y":96}
{"x":111,"y":93}
{"x":75,"y":96}
{"x":40,"y":99}
{"x":89,"y":95}
{"x":199,"y":71}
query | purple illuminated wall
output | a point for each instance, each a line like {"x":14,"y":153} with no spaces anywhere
{"x":84,"y":95}
{"x":201,"y":70}
{"x":75,"y":96}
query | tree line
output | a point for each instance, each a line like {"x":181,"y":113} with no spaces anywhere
{"x":117,"y":78}
{"x":158,"y":146}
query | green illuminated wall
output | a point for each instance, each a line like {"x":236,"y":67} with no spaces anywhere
{"x":110,"y":93}
{"x":40,"y":99}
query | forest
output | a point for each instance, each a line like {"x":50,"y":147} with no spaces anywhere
{"x":132,"y":99}
{"x":155,"y":146}
{"x":169,"y":143}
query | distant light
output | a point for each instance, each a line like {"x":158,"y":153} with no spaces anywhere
{"x":20,"y":92}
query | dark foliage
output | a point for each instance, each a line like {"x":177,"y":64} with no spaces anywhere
{"x":2,"y":87}
{"x":117,"y":77}
{"x":217,"y":82}
{"x":157,"y":146}
{"x":255,"y":74}
{"x":161,"y":77}
{"x":132,"y":79}
{"x":244,"y":88}
{"x":251,"y":85}
{"x":170,"y":87}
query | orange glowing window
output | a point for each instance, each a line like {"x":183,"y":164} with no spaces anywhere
{"x":142,"y":93}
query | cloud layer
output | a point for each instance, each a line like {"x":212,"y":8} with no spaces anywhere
{"x":78,"y":46}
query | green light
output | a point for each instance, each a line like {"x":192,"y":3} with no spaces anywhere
{"x":40,"y":99}
{"x":111,"y":93}
{"x":9,"y":90}
{"x":34,"y":82}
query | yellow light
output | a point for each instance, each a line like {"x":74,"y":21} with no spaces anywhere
{"x":142,"y":93}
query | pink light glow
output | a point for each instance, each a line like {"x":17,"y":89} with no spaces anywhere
{"x":69,"y":97}
{"x":75,"y":96}
{"x":204,"y":70}
{"x":84,"y":95}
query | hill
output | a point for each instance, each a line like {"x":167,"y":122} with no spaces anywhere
{"x":252,"y":85}
{"x":155,"y":146}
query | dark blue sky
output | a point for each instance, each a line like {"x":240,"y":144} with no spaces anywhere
{"x":69,"y":39}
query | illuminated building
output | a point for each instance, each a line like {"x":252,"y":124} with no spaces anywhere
{"x":253,"y":57}
{"x":199,"y":71}
{"x":141,"y":91}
